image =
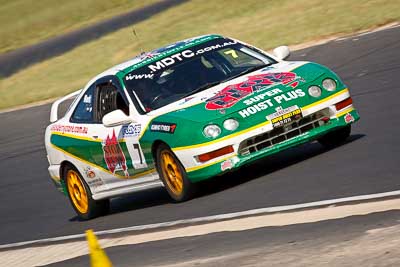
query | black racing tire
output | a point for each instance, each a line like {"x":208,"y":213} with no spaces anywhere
{"x":336,"y":137}
{"x":173,"y":175}
{"x":80,"y":196}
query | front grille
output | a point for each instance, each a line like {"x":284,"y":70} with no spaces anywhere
{"x":278,"y":135}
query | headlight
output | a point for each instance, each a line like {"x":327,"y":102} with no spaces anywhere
{"x":329,"y":84}
{"x":212,"y":131}
{"x":231,"y":124}
{"x":314,"y":91}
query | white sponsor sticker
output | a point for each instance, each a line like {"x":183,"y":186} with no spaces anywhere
{"x":281,"y":112}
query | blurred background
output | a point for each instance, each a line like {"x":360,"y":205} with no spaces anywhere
{"x":102,"y":33}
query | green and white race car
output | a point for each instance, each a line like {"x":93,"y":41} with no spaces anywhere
{"x":186,"y":112}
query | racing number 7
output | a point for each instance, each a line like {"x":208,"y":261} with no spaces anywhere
{"x":137,"y":157}
{"x":137,"y":148}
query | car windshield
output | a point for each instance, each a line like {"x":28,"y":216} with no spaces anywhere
{"x":192,"y":70}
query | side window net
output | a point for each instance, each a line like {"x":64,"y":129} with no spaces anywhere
{"x":109,"y":100}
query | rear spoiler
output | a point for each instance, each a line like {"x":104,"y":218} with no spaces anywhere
{"x":54,"y":107}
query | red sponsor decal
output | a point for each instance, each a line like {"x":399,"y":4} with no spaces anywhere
{"x":89,"y":173}
{"x":69,"y":129}
{"x":113,"y":155}
{"x":231,"y":94}
{"x":348,"y":118}
{"x":294,"y":84}
{"x":227,"y":97}
{"x":226,"y":165}
{"x":272,"y":78}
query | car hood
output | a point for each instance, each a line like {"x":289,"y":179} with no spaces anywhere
{"x":235,"y":95}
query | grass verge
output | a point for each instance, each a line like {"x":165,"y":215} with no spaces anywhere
{"x":253,"y":21}
{"x":28,"y":22}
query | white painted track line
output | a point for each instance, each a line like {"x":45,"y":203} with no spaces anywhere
{"x":206,"y":219}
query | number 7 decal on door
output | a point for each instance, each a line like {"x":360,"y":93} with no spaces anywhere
{"x":131,"y":136}
{"x":136,"y":153}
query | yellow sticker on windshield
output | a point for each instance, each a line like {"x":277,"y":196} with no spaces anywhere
{"x":232,"y":53}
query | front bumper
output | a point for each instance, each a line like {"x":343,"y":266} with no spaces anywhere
{"x":256,"y":143}
{"x":236,"y":161}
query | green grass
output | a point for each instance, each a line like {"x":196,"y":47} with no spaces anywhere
{"x":264,"y":25}
{"x":25,"y":22}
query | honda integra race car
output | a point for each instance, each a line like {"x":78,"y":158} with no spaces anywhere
{"x":187,"y":112}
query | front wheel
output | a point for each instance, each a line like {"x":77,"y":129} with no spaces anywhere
{"x":173,"y":175}
{"x":335,"y":137}
{"x":80,"y":196}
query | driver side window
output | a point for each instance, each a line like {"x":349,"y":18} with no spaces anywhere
{"x":85,"y":109}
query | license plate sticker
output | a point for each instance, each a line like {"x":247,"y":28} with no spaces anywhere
{"x":285,"y":116}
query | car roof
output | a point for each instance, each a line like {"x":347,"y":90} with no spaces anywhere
{"x":154,"y":55}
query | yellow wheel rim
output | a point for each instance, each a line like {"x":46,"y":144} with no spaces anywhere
{"x":171,"y":172}
{"x":77,"y":191}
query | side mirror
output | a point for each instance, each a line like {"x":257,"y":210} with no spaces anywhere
{"x":282,"y":52}
{"x":115,"y":118}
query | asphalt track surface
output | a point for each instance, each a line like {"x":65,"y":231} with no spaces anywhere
{"x":368,"y":163}
{"x":294,"y":245}
{"x":18,"y":59}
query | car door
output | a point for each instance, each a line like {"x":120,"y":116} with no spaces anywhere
{"x":83,"y":144}
{"x":122,"y":156}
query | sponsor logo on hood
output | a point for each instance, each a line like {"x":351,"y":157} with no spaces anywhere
{"x":231,"y":94}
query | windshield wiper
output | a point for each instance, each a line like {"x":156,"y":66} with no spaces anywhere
{"x":201,"y":88}
{"x":251,"y":69}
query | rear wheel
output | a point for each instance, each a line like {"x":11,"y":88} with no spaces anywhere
{"x":173,"y":175}
{"x":80,"y":196}
{"x":335,"y":137}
